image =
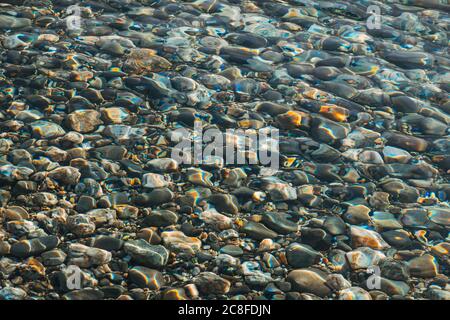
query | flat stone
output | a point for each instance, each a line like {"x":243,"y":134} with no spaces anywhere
{"x":309,"y":281}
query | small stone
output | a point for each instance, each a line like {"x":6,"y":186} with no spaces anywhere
{"x":357,"y":214}
{"x":309,"y":280}
{"x":363,"y":258}
{"x":161,"y":218}
{"x":12,"y":293}
{"x":394,"y":269}
{"x":216,"y":220}
{"x":210,"y":283}
{"x":84,"y":294}
{"x":45,"y":199}
{"x":107,"y":243}
{"x":301,"y":255}
{"x":337,"y":282}
{"x":335,"y":225}
{"x":424,"y":266}
{"x":65,"y":175}
{"x":399,"y":239}
{"x":81,"y":225}
{"x":279,"y":223}
{"x":34,"y":247}
{"x":85,"y":257}
{"x":154,"y":180}
{"x":258,"y":231}
{"x":53,"y":257}
{"x":392,"y":287}
{"x":84,"y":121}
{"x":232,"y":250}
{"x":46,"y":130}
{"x":354,"y":293}
{"x":179,"y":242}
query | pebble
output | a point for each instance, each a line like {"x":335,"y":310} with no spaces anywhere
{"x":161,"y":218}
{"x":85,"y":257}
{"x":153,"y":256}
{"x":424,"y":266}
{"x":178,"y":241}
{"x":301,"y":256}
{"x":367,"y":238}
{"x":309,"y":280}
{"x":90,"y":122}
{"x":354,"y":293}
{"x":279,"y":223}
{"x":146,"y":278}
{"x":258,"y":231}
{"x":33,"y":247}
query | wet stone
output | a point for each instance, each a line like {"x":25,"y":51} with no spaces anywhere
{"x":46,"y":130}
{"x":101,"y":174}
{"x":179,"y":242}
{"x":84,"y":120}
{"x":33,"y":247}
{"x":354,"y":293}
{"x":424,"y":266}
{"x":367,"y":238}
{"x":258,"y":231}
{"x":210,"y":283}
{"x":146,"y":278}
{"x":107,"y":243}
{"x":301,"y":256}
{"x":279,"y":223}
{"x":309,"y":281}
{"x":161,"y":218}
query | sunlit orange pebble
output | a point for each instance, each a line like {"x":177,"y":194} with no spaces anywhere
{"x":422,"y":200}
{"x":315,"y":94}
{"x":203,"y":236}
{"x":258,"y":196}
{"x":334,"y":112}
{"x":442,"y":249}
{"x":283,"y":259}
